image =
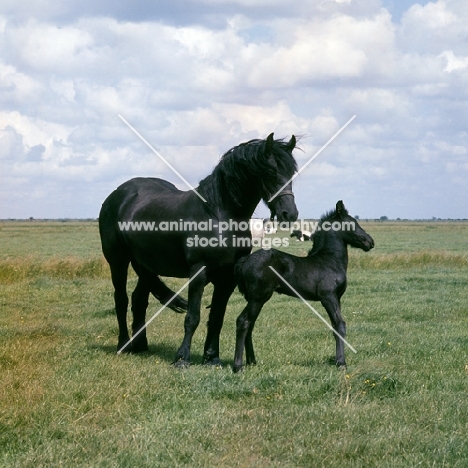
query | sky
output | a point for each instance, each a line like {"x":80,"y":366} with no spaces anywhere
{"x":196,"y":78}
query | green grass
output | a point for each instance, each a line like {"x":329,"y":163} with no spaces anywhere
{"x":51,"y":239}
{"x":67,"y":399}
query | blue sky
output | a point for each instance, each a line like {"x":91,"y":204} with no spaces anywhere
{"x":198,"y":77}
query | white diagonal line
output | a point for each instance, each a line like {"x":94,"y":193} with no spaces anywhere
{"x":159,"y":156}
{"x":313,"y":310}
{"x":313,"y":157}
{"x":160,"y":310}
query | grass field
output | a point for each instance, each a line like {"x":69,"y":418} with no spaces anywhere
{"x":67,"y":399}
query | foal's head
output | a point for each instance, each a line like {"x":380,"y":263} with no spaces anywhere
{"x":338,"y":224}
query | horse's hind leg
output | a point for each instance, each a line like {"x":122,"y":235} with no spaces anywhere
{"x":139,"y":305}
{"x":149,"y":282}
{"x":119,"y":280}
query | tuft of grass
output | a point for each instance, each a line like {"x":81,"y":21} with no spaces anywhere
{"x":401,"y":260}
{"x":23,"y":268}
{"x":366,"y":383}
{"x":20,"y":269}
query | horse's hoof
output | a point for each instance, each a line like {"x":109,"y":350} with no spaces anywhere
{"x":124,"y":348}
{"x":139,"y":346}
{"x":341,"y":366}
{"x":139,"y":349}
{"x":181,"y":364}
{"x":215,"y":362}
{"x":237,"y":369}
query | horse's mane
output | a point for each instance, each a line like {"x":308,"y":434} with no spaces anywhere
{"x":318,"y":237}
{"x":238,"y":165}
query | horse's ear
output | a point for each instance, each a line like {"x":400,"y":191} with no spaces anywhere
{"x":269,"y":144}
{"x":292,"y":143}
{"x":340,"y":208}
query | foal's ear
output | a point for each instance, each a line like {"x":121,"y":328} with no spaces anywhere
{"x":269,"y":144}
{"x":340,"y":208}
{"x":292,"y":143}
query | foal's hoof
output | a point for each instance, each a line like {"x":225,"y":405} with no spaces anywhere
{"x":181,"y":364}
{"x":215,"y":362}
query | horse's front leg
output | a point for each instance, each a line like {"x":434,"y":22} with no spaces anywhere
{"x":221,"y":294}
{"x":192,"y":319}
{"x":333,"y":308}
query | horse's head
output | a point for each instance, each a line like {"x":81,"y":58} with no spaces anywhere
{"x":253,"y":171}
{"x":349,"y":229}
{"x":277,"y":183}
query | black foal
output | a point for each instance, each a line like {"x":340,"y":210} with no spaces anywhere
{"x":321,"y":276}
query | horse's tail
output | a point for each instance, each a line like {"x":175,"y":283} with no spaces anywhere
{"x":239,"y":276}
{"x":161,"y":292}
{"x":164,"y":294}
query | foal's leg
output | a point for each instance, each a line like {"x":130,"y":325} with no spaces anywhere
{"x":192,"y":319}
{"x":249,"y":349}
{"x":244,"y":326}
{"x":139,"y":305}
{"x":333,"y":308}
{"x":221,"y":294}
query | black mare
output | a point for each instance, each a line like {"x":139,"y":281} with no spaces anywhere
{"x":207,"y":236}
{"x":321,"y":276}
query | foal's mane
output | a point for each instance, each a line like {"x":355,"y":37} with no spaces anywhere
{"x":319,"y":236}
{"x":240,"y":164}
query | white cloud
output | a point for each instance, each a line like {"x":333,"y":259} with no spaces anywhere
{"x":17,"y":87}
{"x":453,"y":62}
{"x":11,"y":143}
{"x":48,"y":48}
{"x":33,"y":131}
{"x":433,"y":16}
{"x":434,"y":27}
{"x":318,"y":52}
{"x":64,"y":88}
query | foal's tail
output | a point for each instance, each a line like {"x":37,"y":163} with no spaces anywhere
{"x":239,"y":276}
